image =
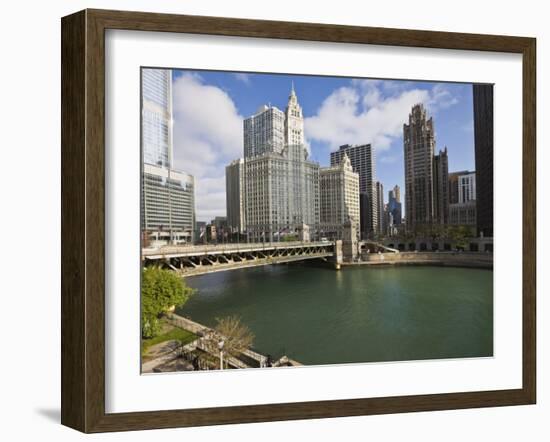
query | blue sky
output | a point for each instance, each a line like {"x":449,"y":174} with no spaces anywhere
{"x":209,"y":108}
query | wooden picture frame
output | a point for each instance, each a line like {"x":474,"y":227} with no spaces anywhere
{"x":83,"y":219}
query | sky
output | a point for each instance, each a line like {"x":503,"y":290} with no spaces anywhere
{"x":209,"y":108}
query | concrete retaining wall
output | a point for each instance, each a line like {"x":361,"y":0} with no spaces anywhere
{"x":456,"y":259}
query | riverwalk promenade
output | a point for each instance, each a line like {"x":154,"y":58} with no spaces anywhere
{"x":483,"y":260}
{"x":172,"y":356}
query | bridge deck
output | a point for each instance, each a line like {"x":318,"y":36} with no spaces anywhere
{"x":224,"y":249}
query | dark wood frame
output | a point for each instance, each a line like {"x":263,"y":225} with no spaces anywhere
{"x":83,"y":217}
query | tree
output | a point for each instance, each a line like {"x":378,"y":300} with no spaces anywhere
{"x":160,"y":291}
{"x":236,"y":336}
{"x":459,"y":234}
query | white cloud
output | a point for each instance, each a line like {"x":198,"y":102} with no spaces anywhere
{"x":441,"y":98}
{"x":371,"y":111}
{"x":245,"y":78}
{"x":207,"y":135}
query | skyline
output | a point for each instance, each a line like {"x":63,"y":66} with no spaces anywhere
{"x":209,"y":108}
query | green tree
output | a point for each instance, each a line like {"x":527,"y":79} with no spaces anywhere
{"x":459,"y":235}
{"x":160,"y":291}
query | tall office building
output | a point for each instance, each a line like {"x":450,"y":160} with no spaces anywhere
{"x":441,"y":187}
{"x":339,"y":199}
{"x":156,"y":115}
{"x":234,"y":195}
{"x":168,"y":195}
{"x":264,"y":132}
{"x":363,"y":162}
{"x":380,"y":206}
{"x":281,"y":185}
{"x":419,"y":145}
{"x":453,"y":185}
{"x":365,"y":211}
{"x":467,"y":187}
{"x":463,"y":209}
{"x":167,"y":204}
{"x":394,"y":205}
{"x":397,"y":193}
{"x":483,"y":137}
{"x":281,"y":193}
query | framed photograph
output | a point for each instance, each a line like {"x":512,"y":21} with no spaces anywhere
{"x":269,"y":220}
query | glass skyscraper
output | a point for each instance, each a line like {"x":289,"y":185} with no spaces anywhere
{"x":168,"y":195}
{"x":156,"y":116}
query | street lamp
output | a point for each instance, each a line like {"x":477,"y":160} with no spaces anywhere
{"x":220,"y":347}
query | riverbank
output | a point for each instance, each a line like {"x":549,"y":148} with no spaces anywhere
{"x":478,"y":260}
{"x":174,"y":354}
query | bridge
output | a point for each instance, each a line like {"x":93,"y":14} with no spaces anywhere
{"x":200,"y":259}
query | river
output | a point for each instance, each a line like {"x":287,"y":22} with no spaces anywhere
{"x":319,"y":315}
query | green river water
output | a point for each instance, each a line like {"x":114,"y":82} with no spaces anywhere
{"x":361,"y":314}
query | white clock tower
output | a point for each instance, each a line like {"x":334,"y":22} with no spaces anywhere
{"x":294,"y":120}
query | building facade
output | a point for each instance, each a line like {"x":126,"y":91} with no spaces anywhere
{"x":363,"y":162}
{"x":394,"y":205}
{"x":419,"y":145}
{"x":156,"y":115}
{"x":394,"y":215}
{"x":264,"y":132}
{"x":167,"y":204}
{"x":339,"y":199}
{"x":365,"y":210}
{"x":294,"y":121}
{"x":380,"y":208}
{"x":441,"y":187}
{"x":234,"y":195}
{"x":483,"y":138}
{"x":463,"y":214}
{"x":467,"y":187}
{"x":281,"y":194}
{"x":453,"y":185}
{"x":280,"y":185}
{"x":167,"y":195}
{"x":464,"y":210}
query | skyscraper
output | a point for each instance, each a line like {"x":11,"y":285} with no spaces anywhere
{"x":419,"y":145}
{"x":441,"y":187}
{"x":363,"y":162}
{"x":281,"y":193}
{"x":380,"y":208}
{"x":156,"y":114}
{"x":467,"y":187}
{"x":234,"y":195}
{"x":463,"y":210}
{"x":281,"y":185}
{"x":397,"y":193}
{"x":394,"y":205}
{"x":264,"y":132}
{"x":339,"y":199}
{"x":167,"y":195}
{"x":365,"y":208}
{"x":453,"y":185}
{"x":168,"y":204}
{"x":483,"y":137}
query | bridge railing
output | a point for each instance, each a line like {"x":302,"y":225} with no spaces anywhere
{"x":232,"y":247}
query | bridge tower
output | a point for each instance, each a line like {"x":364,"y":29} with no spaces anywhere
{"x":350,"y":242}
